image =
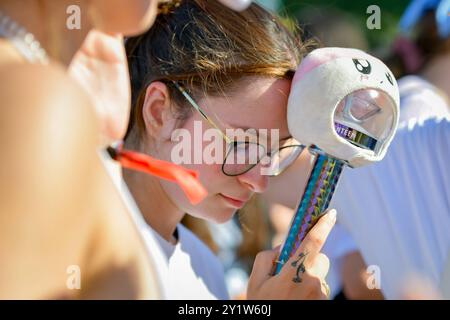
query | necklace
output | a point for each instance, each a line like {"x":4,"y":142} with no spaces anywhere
{"x":24,"y":41}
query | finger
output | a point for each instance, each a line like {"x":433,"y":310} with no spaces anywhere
{"x":316,"y":237}
{"x":262,"y":267}
{"x":318,"y":266}
{"x":325,"y":295}
{"x":310,"y":247}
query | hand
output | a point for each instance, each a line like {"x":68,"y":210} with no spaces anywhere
{"x":303,"y":275}
{"x":100,"y":67}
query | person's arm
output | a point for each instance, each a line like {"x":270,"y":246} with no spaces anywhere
{"x":58,"y":209}
{"x":47,"y":138}
{"x":355,"y":278}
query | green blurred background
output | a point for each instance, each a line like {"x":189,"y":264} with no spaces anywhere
{"x":352,"y":11}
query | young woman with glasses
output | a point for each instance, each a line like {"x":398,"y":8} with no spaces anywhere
{"x":203,"y":63}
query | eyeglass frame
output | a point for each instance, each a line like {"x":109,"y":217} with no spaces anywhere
{"x":229,"y":142}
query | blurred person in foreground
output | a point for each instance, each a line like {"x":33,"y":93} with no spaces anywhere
{"x":65,"y":231}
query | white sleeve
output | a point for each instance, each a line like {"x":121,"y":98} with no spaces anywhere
{"x":398,"y":210}
{"x":339,"y":243}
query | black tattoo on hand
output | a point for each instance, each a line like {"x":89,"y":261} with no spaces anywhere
{"x":299,"y":263}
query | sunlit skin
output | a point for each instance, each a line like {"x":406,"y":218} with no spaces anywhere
{"x":58,"y":205}
{"x":111,"y":237}
{"x":94,"y":53}
{"x":260,"y":104}
{"x":247,"y":107}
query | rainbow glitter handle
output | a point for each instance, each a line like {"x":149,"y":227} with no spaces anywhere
{"x":316,"y":198}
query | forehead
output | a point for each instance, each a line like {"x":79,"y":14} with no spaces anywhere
{"x":258,"y":103}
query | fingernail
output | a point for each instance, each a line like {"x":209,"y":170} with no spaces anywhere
{"x":332,"y":214}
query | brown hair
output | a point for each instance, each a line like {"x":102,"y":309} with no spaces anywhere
{"x":207,"y":48}
{"x":257,"y":231}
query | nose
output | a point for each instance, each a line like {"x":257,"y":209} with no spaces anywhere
{"x":254,"y":180}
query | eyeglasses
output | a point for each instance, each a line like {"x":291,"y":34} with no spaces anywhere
{"x":242,"y":156}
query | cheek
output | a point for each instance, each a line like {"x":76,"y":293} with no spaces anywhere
{"x":191,"y":147}
{"x":210,"y":176}
{"x":212,"y":208}
{"x":182,"y":152}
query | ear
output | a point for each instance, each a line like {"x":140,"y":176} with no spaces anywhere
{"x":156,"y":112}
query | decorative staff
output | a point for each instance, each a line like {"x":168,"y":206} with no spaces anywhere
{"x":344,"y":106}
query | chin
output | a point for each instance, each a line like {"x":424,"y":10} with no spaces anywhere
{"x":217,"y":216}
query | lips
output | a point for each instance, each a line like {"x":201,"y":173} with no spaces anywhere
{"x":234,"y":202}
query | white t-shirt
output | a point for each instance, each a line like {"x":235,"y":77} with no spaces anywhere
{"x":339,"y":244}
{"x":398,"y":210}
{"x":157,"y":257}
{"x":194,"y":272}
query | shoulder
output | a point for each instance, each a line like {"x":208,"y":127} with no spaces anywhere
{"x":430,"y":134}
{"x":47,"y":123}
{"x":46,"y":93}
{"x":48,"y":133}
{"x":42,"y":107}
{"x":42,"y":86}
{"x":420,"y":100}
